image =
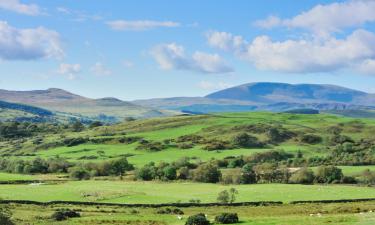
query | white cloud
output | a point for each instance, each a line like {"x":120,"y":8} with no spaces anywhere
{"x":100,"y":69}
{"x":367,"y":67}
{"x":172,"y":56}
{"x":324,"y":19}
{"x":306,"y":55}
{"x":269,"y":22}
{"x":207,"y":85}
{"x":225,"y":41}
{"x":127,"y":63}
{"x":79,"y":16}
{"x":139,"y":25}
{"x":69,"y":70}
{"x":28,"y":44}
{"x":18,"y":7}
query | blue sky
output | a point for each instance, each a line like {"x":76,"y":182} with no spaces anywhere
{"x":148,"y":49}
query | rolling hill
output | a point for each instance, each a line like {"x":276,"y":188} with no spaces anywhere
{"x":61,"y":101}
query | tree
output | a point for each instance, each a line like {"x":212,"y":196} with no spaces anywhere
{"x":120,"y":166}
{"x":198,"y":219}
{"x":148,"y":172}
{"x":79,"y":173}
{"x":223,"y":197}
{"x":328,"y":174}
{"x":169,"y":173}
{"x":247,"y":175}
{"x":232,"y":195}
{"x":302,"y":176}
{"x":208,"y":173}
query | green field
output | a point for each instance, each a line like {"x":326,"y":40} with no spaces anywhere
{"x":158,"y":192}
{"x":309,"y":214}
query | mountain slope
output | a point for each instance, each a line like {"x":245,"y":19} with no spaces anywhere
{"x":59,"y":100}
{"x":265,"y":96}
{"x":281,"y":92}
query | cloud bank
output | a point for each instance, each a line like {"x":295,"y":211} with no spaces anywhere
{"x":172,"y":56}
{"x":28,"y":44}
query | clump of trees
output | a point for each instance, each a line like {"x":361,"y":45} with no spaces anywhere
{"x":116,"y":167}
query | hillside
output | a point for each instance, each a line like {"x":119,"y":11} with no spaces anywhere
{"x":58,"y":100}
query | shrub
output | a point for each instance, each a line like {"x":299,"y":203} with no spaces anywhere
{"x":5,"y":217}
{"x":310,"y":139}
{"x":302,"y":176}
{"x":208,"y":173}
{"x":175,"y":211}
{"x":227,"y":218}
{"x":328,"y":174}
{"x":217,"y":145}
{"x":63,"y":214}
{"x":248,"y":175}
{"x":243,"y":140}
{"x":148,"y":172}
{"x":79,"y":173}
{"x":198,"y":219}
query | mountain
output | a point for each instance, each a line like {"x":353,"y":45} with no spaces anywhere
{"x":281,"y":92}
{"x":266,"y":96}
{"x":61,"y":101}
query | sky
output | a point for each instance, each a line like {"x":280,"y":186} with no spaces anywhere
{"x":151,"y":49}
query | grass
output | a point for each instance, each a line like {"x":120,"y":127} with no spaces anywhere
{"x":14,"y":177}
{"x":154,"y":192}
{"x":335,"y":214}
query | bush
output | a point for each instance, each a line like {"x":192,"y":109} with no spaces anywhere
{"x":5,"y":216}
{"x":328,"y":174}
{"x":64,"y":214}
{"x":302,"y":176}
{"x":310,"y":139}
{"x":207,"y":173}
{"x":227,"y":196}
{"x":217,"y":145}
{"x":227,"y":218}
{"x":198,"y":219}
{"x":243,"y":140}
{"x":79,"y":173}
{"x":175,"y":211}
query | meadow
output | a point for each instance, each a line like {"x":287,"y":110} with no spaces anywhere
{"x":128,"y":192}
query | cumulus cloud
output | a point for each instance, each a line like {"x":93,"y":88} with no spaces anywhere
{"x":207,"y":85}
{"x":100,"y":69}
{"x":139,"y":25}
{"x":172,"y":56}
{"x":69,"y":70}
{"x":18,"y":7}
{"x":323,"y":19}
{"x":304,"y":55}
{"x":28,"y":44}
{"x":367,"y":67}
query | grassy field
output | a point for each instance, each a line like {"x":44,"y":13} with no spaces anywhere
{"x":337,"y":213}
{"x":155,"y":192}
{"x":221,"y":127}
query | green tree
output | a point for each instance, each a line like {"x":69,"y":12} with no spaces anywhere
{"x":328,"y":174}
{"x":208,"y":173}
{"x":302,"y":176}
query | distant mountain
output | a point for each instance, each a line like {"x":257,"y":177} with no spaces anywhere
{"x":58,"y":100}
{"x":266,"y":96}
{"x":281,"y":92}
